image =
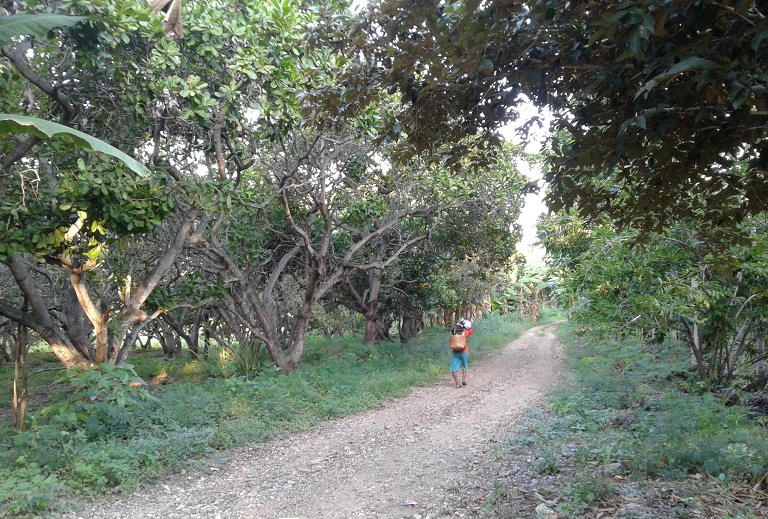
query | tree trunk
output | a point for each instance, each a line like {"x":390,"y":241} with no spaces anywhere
{"x":20,"y":371}
{"x":193,"y":338}
{"x":38,"y":318}
{"x":98,"y":319}
{"x":371,"y":321}
{"x":132,"y":314}
{"x":317,"y":286}
{"x":190,"y":338}
{"x":170,"y":340}
{"x":412,"y":321}
{"x":6,"y":347}
{"x":694,"y":339}
{"x":299,"y":338}
{"x":206,"y":342}
{"x":78,"y":326}
{"x":373,"y":328}
{"x":163,"y":345}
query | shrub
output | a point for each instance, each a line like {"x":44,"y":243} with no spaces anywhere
{"x":641,"y":390}
{"x":105,"y":399}
{"x":232,"y":359}
{"x":26,"y":488}
{"x":589,"y":489}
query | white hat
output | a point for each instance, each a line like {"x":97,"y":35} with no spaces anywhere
{"x":467,"y":323}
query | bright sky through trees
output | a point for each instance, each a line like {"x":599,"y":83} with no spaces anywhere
{"x":534,"y":202}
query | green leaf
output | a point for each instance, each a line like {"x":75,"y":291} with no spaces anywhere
{"x":758,"y":38}
{"x":10,"y":123}
{"x":686,"y":64}
{"x":690,"y":63}
{"x":36,"y":24}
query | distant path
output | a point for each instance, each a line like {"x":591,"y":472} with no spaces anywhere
{"x":428,"y":455}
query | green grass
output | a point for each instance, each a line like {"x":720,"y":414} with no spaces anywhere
{"x":631,"y":419}
{"x":43,"y":370}
{"x":79,"y":450}
{"x":663,"y":425}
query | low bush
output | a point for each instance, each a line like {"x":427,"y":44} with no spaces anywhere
{"x":232,"y":359}
{"x":669,"y":428}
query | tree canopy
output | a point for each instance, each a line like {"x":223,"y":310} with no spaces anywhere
{"x":227,"y":209}
{"x":652,"y":103}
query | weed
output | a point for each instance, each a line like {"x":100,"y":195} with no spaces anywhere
{"x":547,"y":465}
{"x":498,"y":492}
{"x":589,"y":489}
{"x":25,"y":489}
{"x":232,"y":359}
{"x":503,"y":502}
{"x":105,"y":399}
{"x":641,"y":424}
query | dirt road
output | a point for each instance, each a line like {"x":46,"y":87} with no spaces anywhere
{"x":429,"y":455}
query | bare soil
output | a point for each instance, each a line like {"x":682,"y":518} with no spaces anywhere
{"x":433,"y":454}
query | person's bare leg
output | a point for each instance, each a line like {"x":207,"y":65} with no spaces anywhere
{"x":456,"y":378}
{"x":463,"y":377}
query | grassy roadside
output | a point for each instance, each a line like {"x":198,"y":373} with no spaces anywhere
{"x":79,"y":449}
{"x":631,"y":435}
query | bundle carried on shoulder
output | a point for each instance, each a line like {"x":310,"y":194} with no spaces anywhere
{"x":457,"y":343}
{"x":458,"y":340}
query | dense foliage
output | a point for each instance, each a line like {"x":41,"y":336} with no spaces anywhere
{"x":634,"y":432}
{"x":658,"y":100}
{"x":671,"y":285}
{"x":251,"y":215}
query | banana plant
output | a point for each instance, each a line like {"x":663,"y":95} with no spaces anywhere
{"x":33,"y":24}
{"x":11,"y":123}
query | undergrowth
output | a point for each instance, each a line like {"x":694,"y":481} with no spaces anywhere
{"x":98,"y":434}
{"x":632,"y":434}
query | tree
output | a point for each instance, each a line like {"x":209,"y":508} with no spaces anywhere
{"x":305,"y":244}
{"x":185,"y":103}
{"x":657,"y":100}
{"x":67,"y":210}
{"x":476,"y":243}
{"x":216,"y":113}
{"x":474,"y":223}
{"x":565,"y":237}
{"x":673,"y":285}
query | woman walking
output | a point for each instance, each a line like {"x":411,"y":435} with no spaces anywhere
{"x":459,"y":359}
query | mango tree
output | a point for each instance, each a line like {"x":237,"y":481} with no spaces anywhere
{"x":68,"y":209}
{"x":658,"y":100}
{"x":675,"y":286}
{"x":302,"y":246}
